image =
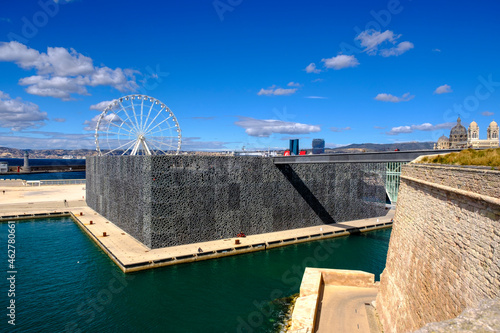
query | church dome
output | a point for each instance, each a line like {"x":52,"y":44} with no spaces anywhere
{"x":458,"y":129}
{"x":473,"y":125}
{"x":443,"y":138}
{"x":493,"y":124}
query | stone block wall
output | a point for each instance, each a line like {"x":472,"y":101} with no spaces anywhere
{"x":474,"y":179}
{"x":173,"y":200}
{"x":444,"y":252}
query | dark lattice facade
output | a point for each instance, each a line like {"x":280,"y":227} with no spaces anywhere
{"x":173,"y":200}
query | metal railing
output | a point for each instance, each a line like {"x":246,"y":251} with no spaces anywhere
{"x":393,"y":178}
{"x":54,"y":182}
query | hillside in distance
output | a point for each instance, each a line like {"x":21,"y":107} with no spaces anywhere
{"x":46,"y":153}
{"x":81,"y":153}
{"x":374,"y":147}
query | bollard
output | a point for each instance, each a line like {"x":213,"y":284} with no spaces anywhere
{"x":236,"y":241}
{"x":104,"y":234}
{"x":91,"y":222}
{"x":81,"y":213}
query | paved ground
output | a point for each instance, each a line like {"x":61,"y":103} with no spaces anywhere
{"x":343,"y":310}
{"x":40,"y":199}
{"x":129,"y":251}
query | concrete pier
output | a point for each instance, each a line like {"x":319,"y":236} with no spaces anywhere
{"x":131,"y":255}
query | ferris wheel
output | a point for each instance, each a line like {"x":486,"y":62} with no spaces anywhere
{"x":137,"y":125}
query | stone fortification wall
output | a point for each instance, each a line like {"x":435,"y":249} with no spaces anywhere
{"x":484,"y":318}
{"x":173,"y":200}
{"x":444,"y":250}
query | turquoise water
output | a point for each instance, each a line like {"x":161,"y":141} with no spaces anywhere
{"x":65,"y":283}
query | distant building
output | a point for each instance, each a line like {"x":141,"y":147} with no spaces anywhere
{"x":4,"y":167}
{"x":294,"y":146}
{"x":462,"y":138}
{"x":318,"y":146}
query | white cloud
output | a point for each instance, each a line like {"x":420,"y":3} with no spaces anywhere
{"x":293,"y":84}
{"x":203,"y":118}
{"x":487,"y":113}
{"x":122,"y":80}
{"x":394,"y":99}
{"x":311,"y":68}
{"x":57,"y":61}
{"x":194,"y":143}
{"x":17,"y":114}
{"x":340,"y":61}
{"x":398,"y":50}
{"x":59,"y":120}
{"x":372,"y":40}
{"x":62,"y":72}
{"x":436,"y":50}
{"x":90,"y":125}
{"x":335,"y":145}
{"x":276,"y":91}
{"x":101,"y":105}
{"x":339,"y":129}
{"x":316,"y":97}
{"x":56,"y":86}
{"x":266,"y":127}
{"x":423,"y":127}
{"x":444,"y":89}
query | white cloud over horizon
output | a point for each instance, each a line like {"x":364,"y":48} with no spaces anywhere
{"x":194,"y":143}
{"x":48,"y":140}
{"x":487,"y":113}
{"x":340,"y":61}
{"x":59,"y":140}
{"x":267,"y":127}
{"x":394,"y":99}
{"x":372,"y":39}
{"x":62,"y":72}
{"x":18,"y":115}
{"x":423,"y":127}
{"x":444,"y":89}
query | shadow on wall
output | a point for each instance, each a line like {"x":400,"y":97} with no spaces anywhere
{"x":306,"y":194}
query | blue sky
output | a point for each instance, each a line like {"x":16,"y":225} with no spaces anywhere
{"x":250,"y":73}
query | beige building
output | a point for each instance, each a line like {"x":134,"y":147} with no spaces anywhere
{"x":462,"y":138}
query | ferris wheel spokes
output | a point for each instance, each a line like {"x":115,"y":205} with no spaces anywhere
{"x":124,"y":128}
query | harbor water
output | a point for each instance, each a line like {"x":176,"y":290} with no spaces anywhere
{"x":65,"y":283}
{"x":44,"y":162}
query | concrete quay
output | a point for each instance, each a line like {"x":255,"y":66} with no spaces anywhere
{"x":131,"y":255}
{"x":335,"y":300}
